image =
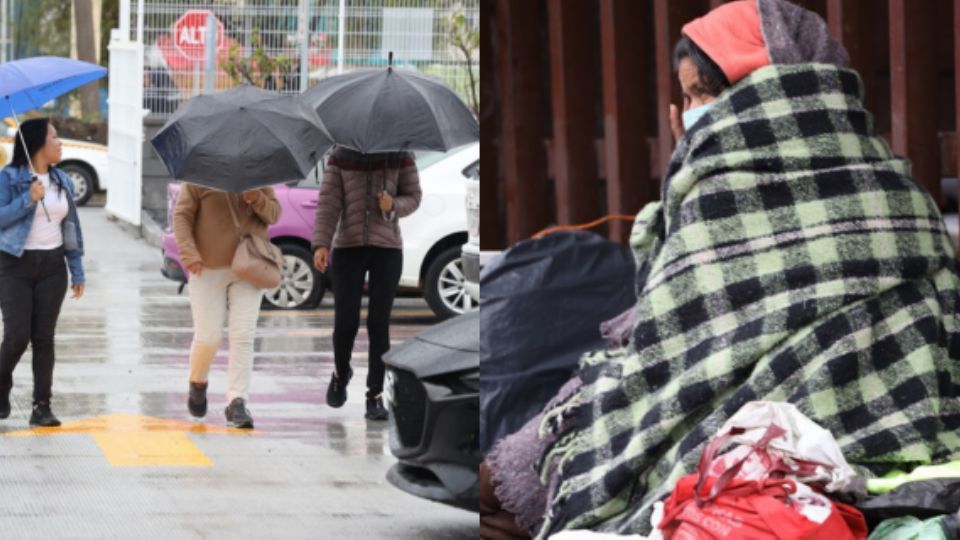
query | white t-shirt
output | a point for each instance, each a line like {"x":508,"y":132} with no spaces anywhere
{"x":49,"y":234}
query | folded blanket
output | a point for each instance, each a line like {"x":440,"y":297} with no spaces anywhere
{"x":792,"y":259}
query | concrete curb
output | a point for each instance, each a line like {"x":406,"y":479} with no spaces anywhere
{"x":149,"y":230}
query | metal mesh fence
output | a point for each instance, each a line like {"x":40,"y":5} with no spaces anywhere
{"x":6,"y":30}
{"x":288,"y":45}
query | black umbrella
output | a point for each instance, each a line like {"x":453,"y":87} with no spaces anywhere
{"x":240,"y":139}
{"x":389,"y":110}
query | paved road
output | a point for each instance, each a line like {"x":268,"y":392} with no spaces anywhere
{"x":130,"y":462}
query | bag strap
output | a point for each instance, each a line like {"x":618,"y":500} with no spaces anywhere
{"x":233,"y":214}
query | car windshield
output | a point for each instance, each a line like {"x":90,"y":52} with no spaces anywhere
{"x":312,"y":180}
{"x":425,"y":159}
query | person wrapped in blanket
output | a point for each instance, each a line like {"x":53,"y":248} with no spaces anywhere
{"x":791,"y":258}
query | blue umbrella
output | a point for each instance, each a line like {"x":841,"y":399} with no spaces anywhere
{"x":29,"y":83}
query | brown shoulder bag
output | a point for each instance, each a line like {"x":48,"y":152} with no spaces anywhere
{"x":256,"y":261}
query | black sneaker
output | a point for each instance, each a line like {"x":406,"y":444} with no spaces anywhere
{"x":337,"y":391}
{"x":197,"y":402}
{"x":42,"y":416}
{"x":375,"y":409}
{"x":237,"y":415}
{"x":4,"y":401}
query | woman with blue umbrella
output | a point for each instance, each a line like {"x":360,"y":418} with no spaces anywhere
{"x":40,"y":236}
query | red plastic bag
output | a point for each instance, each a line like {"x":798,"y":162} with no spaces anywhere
{"x":747,"y":494}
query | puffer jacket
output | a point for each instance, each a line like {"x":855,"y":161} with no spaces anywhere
{"x":348,"y":210}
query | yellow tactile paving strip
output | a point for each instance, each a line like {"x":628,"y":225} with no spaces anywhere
{"x":128,"y":440}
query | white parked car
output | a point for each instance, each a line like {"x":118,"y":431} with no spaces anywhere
{"x":434,"y":235}
{"x":471,"y":250}
{"x":84,"y":162}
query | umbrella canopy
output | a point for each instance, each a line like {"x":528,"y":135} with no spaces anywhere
{"x":29,"y":83}
{"x":389,"y":110}
{"x":240,"y":139}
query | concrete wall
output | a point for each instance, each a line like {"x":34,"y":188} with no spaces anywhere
{"x":155,"y":175}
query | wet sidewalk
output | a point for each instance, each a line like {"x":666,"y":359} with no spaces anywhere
{"x":129,"y":461}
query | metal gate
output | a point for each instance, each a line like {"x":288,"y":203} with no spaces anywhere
{"x":299,"y":42}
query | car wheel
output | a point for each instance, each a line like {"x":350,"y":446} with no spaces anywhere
{"x":82,"y":180}
{"x":301,"y":286}
{"x":444,"y":285}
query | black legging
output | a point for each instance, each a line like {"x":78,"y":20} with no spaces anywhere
{"x":32,"y":289}
{"x":348,"y":268}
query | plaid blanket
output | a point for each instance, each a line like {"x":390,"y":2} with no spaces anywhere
{"x":791,"y":258}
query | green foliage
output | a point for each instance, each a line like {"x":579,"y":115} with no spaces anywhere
{"x":466,"y":39}
{"x":42,"y":28}
{"x":258,"y":67}
{"x":109,"y":19}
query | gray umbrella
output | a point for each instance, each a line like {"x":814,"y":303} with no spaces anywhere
{"x":240,"y":139}
{"x":389,"y":110}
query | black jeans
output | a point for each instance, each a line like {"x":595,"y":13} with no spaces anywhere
{"x":32,"y":289}
{"x":348,"y":268}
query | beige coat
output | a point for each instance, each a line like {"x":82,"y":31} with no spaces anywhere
{"x":205,"y":230}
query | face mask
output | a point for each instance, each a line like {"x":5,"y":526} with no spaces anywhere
{"x":691,"y":116}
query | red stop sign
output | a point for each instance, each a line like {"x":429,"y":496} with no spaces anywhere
{"x":190,"y":33}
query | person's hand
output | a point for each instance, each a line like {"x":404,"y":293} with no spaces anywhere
{"x":37,"y":191}
{"x":251,"y":196}
{"x":196,"y":268}
{"x":321,"y":258}
{"x":77,"y":290}
{"x":386,"y":201}
{"x":676,"y":123}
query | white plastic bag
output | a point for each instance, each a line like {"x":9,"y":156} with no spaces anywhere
{"x":803,"y":440}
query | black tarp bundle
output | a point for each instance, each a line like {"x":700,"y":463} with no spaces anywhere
{"x":543,"y":303}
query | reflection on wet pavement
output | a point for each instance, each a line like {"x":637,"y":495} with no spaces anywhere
{"x":130,"y":461}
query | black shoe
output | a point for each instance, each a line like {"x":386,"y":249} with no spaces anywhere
{"x":337,"y":391}
{"x":375,"y":409}
{"x":237,"y":415}
{"x":197,"y":402}
{"x":4,"y":401}
{"x":42,"y":416}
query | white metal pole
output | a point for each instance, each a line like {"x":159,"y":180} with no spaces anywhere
{"x":140,"y":10}
{"x":210,"y":54}
{"x":303,"y":29}
{"x":247,"y":30}
{"x":125,"y":19}
{"x":4,"y":22}
{"x":196,"y":77}
{"x":341,"y":36}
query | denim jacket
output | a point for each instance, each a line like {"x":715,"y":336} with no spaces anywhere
{"x":16,"y":217}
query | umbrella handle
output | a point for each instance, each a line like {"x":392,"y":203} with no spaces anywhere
{"x":26,"y":152}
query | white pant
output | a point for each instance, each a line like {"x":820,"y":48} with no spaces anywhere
{"x":211,"y":294}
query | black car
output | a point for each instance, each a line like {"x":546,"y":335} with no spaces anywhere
{"x":433,"y":393}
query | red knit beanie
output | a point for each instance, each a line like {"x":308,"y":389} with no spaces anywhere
{"x":731,"y":37}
